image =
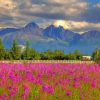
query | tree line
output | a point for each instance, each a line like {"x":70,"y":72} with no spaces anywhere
{"x":96,"y":55}
{"x":16,"y":53}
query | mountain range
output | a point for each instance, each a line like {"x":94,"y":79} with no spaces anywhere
{"x":52,"y":38}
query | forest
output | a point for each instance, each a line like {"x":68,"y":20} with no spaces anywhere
{"x":17,"y":53}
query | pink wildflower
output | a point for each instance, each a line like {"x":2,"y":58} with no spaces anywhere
{"x":25,"y":91}
{"x":45,"y":88}
{"x":68,"y":93}
{"x":93,"y":83}
{"x":75,"y":84}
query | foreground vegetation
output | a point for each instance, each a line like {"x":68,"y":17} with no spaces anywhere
{"x":43,"y":81}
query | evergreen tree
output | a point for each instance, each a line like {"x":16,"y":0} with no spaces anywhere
{"x":71,"y":56}
{"x":47,"y":55}
{"x":37,"y":56}
{"x":33,"y":54}
{"x":15,"y":51}
{"x":96,"y":55}
{"x":7,"y":55}
{"x":59,"y":55}
{"x":53,"y":55}
{"x":76,"y":55}
{"x":2,"y":50}
{"x":26,"y":52}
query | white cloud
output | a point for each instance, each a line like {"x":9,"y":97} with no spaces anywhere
{"x":97,"y":5}
{"x":7,"y":4}
{"x":80,"y":25}
{"x":68,"y":8}
{"x":24,"y":11}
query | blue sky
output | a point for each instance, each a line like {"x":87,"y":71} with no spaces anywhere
{"x":93,"y":1}
{"x":79,"y":15}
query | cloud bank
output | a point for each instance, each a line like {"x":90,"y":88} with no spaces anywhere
{"x":79,"y":15}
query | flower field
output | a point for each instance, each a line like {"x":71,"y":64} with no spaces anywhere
{"x":49,"y":81}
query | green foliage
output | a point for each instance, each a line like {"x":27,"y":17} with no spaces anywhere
{"x":47,"y":55}
{"x":30,"y":54}
{"x":8,"y":55}
{"x":25,"y":54}
{"x":15,"y":51}
{"x":77,"y":55}
{"x":96,"y":55}
{"x":37,"y":56}
{"x":2,"y":50}
{"x":53,"y":55}
{"x":59,"y":55}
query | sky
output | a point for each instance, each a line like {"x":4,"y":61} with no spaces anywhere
{"x":76,"y":15}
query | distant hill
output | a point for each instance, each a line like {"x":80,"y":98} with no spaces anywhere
{"x":7,"y":30}
{"x":51,"y":38}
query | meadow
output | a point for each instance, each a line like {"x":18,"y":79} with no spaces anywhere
{"x":49,"y":81}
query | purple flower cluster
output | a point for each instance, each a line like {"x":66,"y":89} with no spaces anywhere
{"x":44,"y":80}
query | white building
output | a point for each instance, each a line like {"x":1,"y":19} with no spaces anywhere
{"x":87,"y":57}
